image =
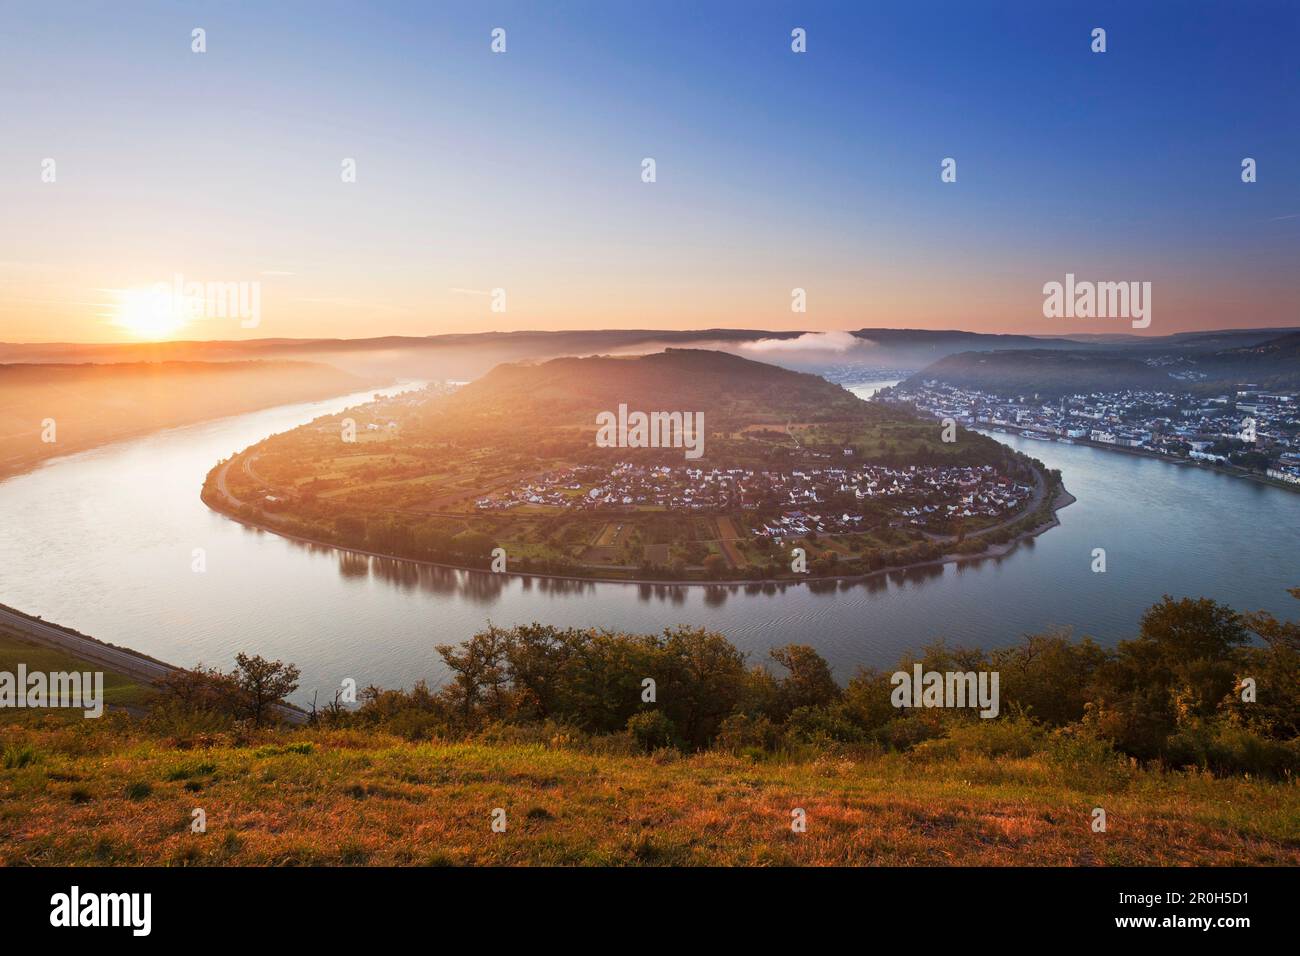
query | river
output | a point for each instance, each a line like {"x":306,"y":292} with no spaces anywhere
{"x":103,"y":541}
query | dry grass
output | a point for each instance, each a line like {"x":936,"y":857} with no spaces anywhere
{"x":108,"y":795}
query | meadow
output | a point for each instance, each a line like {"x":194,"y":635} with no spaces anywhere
{"x":112,"y":796}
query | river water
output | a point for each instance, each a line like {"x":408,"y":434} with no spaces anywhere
{"x":103,"y":541}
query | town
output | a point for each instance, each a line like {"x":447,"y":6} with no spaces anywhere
{"x":821,"y":499}
{"x":1251,"y":429}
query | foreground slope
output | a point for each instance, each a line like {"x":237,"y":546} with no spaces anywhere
{"x":331,"y":798}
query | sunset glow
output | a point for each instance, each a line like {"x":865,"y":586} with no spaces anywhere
{"x":150,"y":314}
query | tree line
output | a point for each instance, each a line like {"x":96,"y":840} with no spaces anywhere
{"x":1200,"y":685}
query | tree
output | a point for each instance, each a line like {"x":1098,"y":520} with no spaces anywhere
{"x":1275,"y":668}
{"x":701,"y":678}
{"x":263,"y":684}
{"x":481,"y":675}
{"x":350,"y":527}
{"x":1173,"y":676}
{"x":1278,"y":634}
{"x":809,"y":683}
{"x":203,"y":689}
{"x":1048,"y":675}
{"x":651,"y":729}
{"x":473,"y":544}
{"x":1192,"y":628}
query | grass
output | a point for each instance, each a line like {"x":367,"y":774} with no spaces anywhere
{"x":112,"y":795}
{"x":119,"y":691}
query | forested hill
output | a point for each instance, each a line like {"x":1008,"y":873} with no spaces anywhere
{"x":1273,"y":364}
{"x":730,"y":391}
{"x":753,"y":413}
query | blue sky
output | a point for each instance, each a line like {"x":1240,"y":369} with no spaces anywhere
{"x":775,"y":169}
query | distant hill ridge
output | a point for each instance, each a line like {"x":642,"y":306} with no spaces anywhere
{"x":464,"y":356}
{"x":1273,"y":363}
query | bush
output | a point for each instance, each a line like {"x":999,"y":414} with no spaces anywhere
{"x":1085,"y":758}
{"x":1009,"y":737}
{"x":904,"y":733}
{"x":414,"y":725}
{"x":741,"y":733}
{"x":271,"y":750}
{"x":186,"y":771}
{"x":1224,"y":748}
{"x":652,"y":730}
{"x":17,"y":756}
{"x":821,"y":725}
{"x":198,"y":700}
{"x":866,"y":700}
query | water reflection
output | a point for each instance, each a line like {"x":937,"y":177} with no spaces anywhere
{"x":481,"y":587}
{"x":484,"y":587}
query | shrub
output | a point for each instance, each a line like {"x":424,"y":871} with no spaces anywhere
{"x":1225,"y":748}
{"x":186,"y":771}
{"x":652,"y":730}
{"x":821,"y":725}
{"x":17,"y":756}
{"x":809,"y":682}
{"x":298,"y":747}
{"x":1085,"y":758}
{"x":1017,"y":736}
{"x":904,"y":733}
{"x":138,"y":790}
{"x":741,"y":733}
{"x":185,"y":723}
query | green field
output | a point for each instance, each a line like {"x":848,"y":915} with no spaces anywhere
{"x":119,"y":691}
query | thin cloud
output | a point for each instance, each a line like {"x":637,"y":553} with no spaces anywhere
{"x":809,"y":342}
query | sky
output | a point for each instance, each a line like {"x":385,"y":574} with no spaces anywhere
{"x":522,"y":171}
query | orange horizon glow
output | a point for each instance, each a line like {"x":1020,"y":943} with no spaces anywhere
{"x":293,"y":308}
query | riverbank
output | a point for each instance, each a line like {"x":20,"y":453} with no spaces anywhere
{"x":122,"y":661}
{"x":227,"y":504}
{"x":67,"y":410}
{"x":1232,"y":471}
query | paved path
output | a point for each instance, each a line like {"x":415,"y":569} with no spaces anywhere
{"x":122,"y":661}
{"x":222,"y":487}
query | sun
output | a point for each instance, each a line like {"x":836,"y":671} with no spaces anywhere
{"x":150,"y":313}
